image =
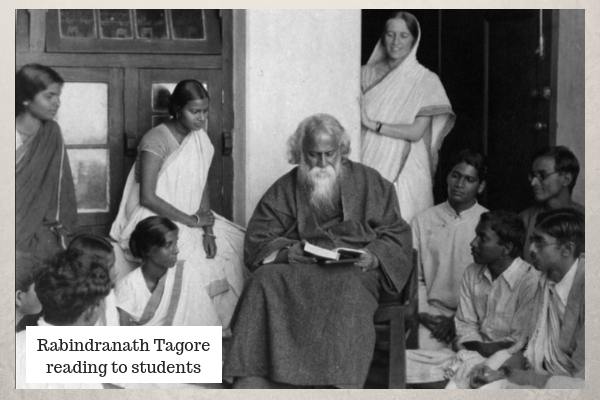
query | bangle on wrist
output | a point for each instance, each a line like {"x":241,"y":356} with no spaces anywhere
{"x":197,"y":220}
{"x":208,"y":234}
{"x":378,"y":127}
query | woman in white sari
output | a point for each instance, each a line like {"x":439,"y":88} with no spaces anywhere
{"x":405,"y":115}
{"x":169,"y":179}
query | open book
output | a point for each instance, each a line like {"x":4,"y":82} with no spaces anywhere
{"x":341,"y":255}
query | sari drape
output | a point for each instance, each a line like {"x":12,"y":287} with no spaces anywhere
{"x":404,"y":93}
{"x":162,"y":306}
{"x":45,"y":206}
{"x":181,"y":182}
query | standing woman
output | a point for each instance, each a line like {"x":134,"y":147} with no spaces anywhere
{"x":405,"y":115}
{"x":169,"y":179}
{"x":46,"y":208}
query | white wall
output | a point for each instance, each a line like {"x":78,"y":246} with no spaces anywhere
{"x":571,"y":84}
{"x":288,"y":64}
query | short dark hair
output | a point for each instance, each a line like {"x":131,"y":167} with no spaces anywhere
{"x":69,"y":285}
{"x":564,"y":161}
{"x":27,"y":268}
{"x":185,"y":91}
{"x":148,"y":233}
{"x":564,"y":224}
{"x":30,"y":80}
{"x":475,"y":159}
{"x":509,"y":227}
{"x":91,"y":243}
{"x":411,"y":23}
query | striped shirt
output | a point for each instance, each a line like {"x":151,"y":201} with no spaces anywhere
{"x":495,"y":311}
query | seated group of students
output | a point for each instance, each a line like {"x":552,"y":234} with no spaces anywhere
{"x":486,"y":314}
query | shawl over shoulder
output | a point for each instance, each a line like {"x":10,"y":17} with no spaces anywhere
{"x":39,"y":183}
{"x":408,"y":91}
{"x":371,"y":219}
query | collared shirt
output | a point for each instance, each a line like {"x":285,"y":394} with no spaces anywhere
{"x":493,"y":311}
{"x":442,"y":238}
{"x":562,"y":289}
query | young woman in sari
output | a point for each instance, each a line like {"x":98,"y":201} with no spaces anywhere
{"x":45,"y":194}
{"x":169,"y":179}
{"x":405,"y":115}
{"x":149,"y":295}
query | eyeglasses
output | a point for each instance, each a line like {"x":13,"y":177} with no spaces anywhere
{"x":538,"y":242}
{"x":540,"y":176}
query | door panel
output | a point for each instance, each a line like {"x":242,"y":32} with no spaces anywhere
{"x":488,"y":64}
{"x":514,"y":70}
{"x":155,"y":85}
{"x":91,"y":120}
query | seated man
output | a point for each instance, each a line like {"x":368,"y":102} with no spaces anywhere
{"x":70,"y":290}
{"x":441,"y":236}
{"x":555,"y":354}
{"x":298,"y":323}
{"x":553,"y":177}
{"x":495,"y":302}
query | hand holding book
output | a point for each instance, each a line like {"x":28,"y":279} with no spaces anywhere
{"x":296,"y":255}
{"x":362,"y":258}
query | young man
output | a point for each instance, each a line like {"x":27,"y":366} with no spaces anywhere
{"x":497,"y":289}
{"x":555,"y":354}
{"x":553,"y":177}
{"x":441,"y":236}
{"x":495,"y":300}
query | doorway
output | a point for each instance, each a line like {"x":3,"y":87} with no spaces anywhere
{"x":499,"y":84}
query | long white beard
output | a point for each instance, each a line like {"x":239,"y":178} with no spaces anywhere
{"x":322,"y":184}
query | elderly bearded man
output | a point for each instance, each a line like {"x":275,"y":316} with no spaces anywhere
{"x":298,"y":323}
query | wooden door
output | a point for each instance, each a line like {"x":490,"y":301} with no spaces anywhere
{"x":517,"y":98}
{"x":499,"y":86}
{"x":106,"y":104}
{"x":154,"y":84}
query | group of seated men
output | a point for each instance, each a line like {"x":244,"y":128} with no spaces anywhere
{"x":488,"y":318}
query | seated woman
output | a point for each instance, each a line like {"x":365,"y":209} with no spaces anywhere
{"x":169,"y":179}
{"x":70,"y":290}
{"x":152,"y":294}
{"x":27,"y":268}
{"x":100,"y":250}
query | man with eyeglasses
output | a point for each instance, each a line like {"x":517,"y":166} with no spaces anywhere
{"x":553,"y":177}
{"x":554,"y":357}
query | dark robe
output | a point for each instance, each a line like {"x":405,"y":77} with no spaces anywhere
{"x":37,"y":176}
{"x":310,"y":324}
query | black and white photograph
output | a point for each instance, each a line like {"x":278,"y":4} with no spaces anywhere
{"x":359,"y":198}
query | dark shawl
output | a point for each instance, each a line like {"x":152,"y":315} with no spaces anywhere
{"x":310,"y":324}
{"x":371,"y":219}
{"x":37,"y":184}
